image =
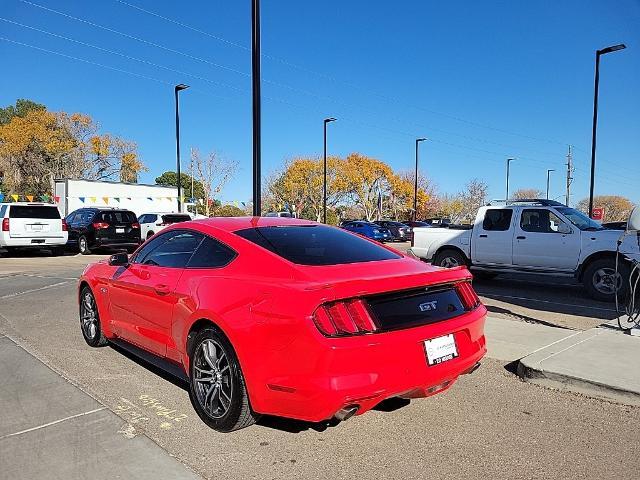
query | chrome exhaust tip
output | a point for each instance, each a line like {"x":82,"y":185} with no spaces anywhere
{"x":472,"y":369}
{"x":346,"y":413}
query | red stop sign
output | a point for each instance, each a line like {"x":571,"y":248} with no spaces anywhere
{"x":598,"y":214}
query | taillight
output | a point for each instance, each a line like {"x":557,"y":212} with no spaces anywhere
{"x":64,"y":226}
{"x":468,"y":295}
{"x":100,"y":225}
{"x":135,"y":225}
{"x":349,"y":317}
{"x":5,"y":224}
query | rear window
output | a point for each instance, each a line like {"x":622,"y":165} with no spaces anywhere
{"x":175,"y":218}
{"x":34,"y":211}
{"x":316,"y":245}
{"x":122,"y":216}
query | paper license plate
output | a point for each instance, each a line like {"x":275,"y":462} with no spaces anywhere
{"x":36,"y":228}
{"x":441,"y":349}
{"x":119,"y":230}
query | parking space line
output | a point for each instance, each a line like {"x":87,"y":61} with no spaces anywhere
{"x":55,"y":422}
{"x":24,"y":292}
{"x":489,"y":295}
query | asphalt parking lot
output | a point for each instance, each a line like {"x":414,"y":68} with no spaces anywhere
{"x":489,"y":425}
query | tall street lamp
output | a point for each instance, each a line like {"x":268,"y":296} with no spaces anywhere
{"x":324,"y":184}
{"x":415,"y":185}
{"x":255,"y":77}
{"x":604,"y":51}
{"x":177,"y":89}
{"x":509,"y":160}
{"x":548,"y":177}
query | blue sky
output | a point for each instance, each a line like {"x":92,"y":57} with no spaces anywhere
{"x":482,"y":80}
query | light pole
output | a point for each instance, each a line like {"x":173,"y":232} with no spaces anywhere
{"x":604,"y":51}
{"x":509,"y":160}
{"x":255,"y":77}
{"x":415,"y":184}
{"x":548,"y":177}
{"x":178,"y":88}
{"x":324,"y":184}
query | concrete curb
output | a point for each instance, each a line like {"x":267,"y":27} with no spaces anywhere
{"x":597,"y":363}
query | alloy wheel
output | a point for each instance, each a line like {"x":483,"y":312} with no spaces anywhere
{"x":212,"y":377}
{"x":89,"y":316}
{"x":607,"y":281}
{"x":449,"y":262}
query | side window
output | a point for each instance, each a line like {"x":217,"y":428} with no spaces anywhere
{"x":3,"y":209}
{"x":497,"y":220}
{"x":142,"y":219}
{"x":151,"y":245}
{"x":539,"y":221}
{"x":211,"y":254}
{"x":70,"y":219}
{"x":175,"y":252}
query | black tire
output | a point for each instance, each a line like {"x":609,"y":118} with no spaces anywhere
{"x":90,"y":320}
{"x":11,"y":251}
{"x":83,"y":245}
{"x":449,"y":258}
{"x":226,"y":380}
{"x":598,"y":280}
{"x":149,"y":235}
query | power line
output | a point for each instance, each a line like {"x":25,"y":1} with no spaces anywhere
{"x":335,"y":80}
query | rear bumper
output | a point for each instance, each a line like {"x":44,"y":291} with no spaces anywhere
{"x":34,"y":242}
{"x":362,"y":371}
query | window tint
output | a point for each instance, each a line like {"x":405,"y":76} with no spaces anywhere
{"x":316,"y":245}
{"x":497,"y":220}
{"x":211,"y":254}
{"x":121,"y":216}
{"x":175,"y":252}
{"x":142,"y":219}
{"x":34,"y":211}
{"x":71,"y":217}
{"x":150,"y":245}
{"x":540,"y":221}
{"x":175,"y":218}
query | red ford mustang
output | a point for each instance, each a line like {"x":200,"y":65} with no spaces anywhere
{"x":285,"y":317}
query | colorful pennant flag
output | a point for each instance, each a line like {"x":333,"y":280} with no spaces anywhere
{"x":1,"y":197}
{"x":150,"y":199}
{"x":128,"y":198}
{"x":15,"y":197}
{"x":44,"y":198}
{"x":93,"y":199}
{"x":105,"y":200}
{"x":29,"y":198}
{"x":117,"y":199}
{"x":81,"y":199}
{"x":57,"y":199}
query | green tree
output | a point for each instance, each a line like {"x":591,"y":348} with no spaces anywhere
{"x":170,"y":179}
{"x":228,"y":211}
{"x":21,"y":108}
{"x":616,"y":208}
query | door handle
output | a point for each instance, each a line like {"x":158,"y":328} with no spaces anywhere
{"x":161,"y":289}
{"x":521,"y":237}
{"x":483,"y":236}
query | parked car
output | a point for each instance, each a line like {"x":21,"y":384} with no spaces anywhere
{"x":32,"y":225}
{"x":369,"y":230}
{"x":152,"y":223}
{"x":533,"y":236}
{"x":93,"y":228}
{"x":438,"y":221}
{"x":330,"y":324}
{"x":399,"y":231}
{"x":279,"y":214}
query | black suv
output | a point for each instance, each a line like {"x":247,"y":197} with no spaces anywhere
{"x":91,"y":228}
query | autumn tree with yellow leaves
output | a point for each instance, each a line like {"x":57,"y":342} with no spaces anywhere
{"x":38,"y":146}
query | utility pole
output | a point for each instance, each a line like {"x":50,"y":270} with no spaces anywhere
{"x":569,"y":176}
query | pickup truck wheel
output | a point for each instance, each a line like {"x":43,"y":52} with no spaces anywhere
{"x":601,"y":282}
{"x":449,"y":259}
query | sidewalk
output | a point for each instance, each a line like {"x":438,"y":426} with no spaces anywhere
{"x":51,"y":429}
{"x":598,"y":362}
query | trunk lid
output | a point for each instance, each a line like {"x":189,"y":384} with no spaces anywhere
{"x":35,"y":221}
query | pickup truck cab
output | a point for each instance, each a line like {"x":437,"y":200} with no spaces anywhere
{"x":532,"y":236}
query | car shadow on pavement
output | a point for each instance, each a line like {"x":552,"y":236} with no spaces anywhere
{"x":524,"y":318}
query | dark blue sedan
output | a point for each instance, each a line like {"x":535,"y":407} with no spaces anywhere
{"x":369,"y":230}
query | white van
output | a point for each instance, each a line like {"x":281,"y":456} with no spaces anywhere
{"x":32,"y":225}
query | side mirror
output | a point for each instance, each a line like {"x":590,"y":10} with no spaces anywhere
{"x":120,"y":259}
{"x":633,"y":225}
{"x":564,"y":229}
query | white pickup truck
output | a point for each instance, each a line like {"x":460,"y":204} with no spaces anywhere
{"x":533,"y":236}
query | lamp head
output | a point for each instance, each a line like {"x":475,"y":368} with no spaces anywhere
{"x":612,"y":48}
{"x":181,"y":86}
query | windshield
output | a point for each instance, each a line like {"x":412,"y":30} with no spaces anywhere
{"x":579,"y":219}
